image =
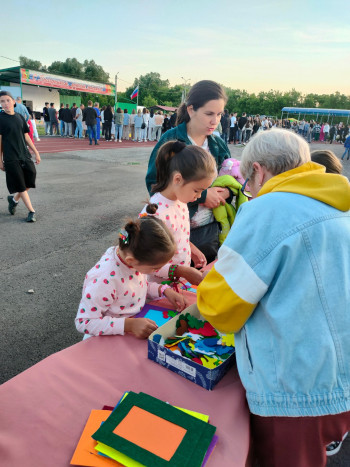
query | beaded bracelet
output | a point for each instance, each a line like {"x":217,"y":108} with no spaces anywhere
{"x":171,"y":272}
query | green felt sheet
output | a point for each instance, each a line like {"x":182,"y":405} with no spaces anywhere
{"x":191,"y":450}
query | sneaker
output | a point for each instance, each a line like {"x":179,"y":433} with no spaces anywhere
{"x":31,"y":217}
{"x":12,"y":205}
{"x":120,"y":141}
{"x":97,"y":144}
{"x":90,"y":144}
{"x":334,"y":447}
{"x":38,"y":139}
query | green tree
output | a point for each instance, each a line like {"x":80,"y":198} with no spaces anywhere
{"x":94,"y":72}
{"x":26,"y":62}
{"x":71,"y":67}
{"x":150,"y":85}
{"x":149,"y":101}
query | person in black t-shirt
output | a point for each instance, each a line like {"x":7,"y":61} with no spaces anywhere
{"x":15,"y":159}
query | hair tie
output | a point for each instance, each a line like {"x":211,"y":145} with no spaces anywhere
{"x":124,"y":236}
{"x":177,"y":147}
{"x":143,"y":215}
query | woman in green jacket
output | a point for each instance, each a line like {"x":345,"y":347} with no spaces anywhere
{"x":197,"y":119}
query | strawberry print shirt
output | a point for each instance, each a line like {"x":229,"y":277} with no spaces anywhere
{"x":176,"y":217}
{"x":112,"y":291}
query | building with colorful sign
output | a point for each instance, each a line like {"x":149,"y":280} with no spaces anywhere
{"x":37,"y":87}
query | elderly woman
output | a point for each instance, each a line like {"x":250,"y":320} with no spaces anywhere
{"x":281,"y":284}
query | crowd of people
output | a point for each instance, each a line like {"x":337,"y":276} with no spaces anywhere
{"x":239,"y":130}
{"x":72,"y":122}
{"x":315,"y":131}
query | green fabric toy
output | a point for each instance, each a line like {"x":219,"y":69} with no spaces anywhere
{"x":226,"y":214}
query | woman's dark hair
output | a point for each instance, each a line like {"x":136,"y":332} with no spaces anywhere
{"x":125,"y":111}
{"x":192,"y":162}
{"x":151,"y":113}
{"x":119,"y":110}
{"x":108,"y":108}
{"x":201,"y":93}
{"x":149,"y":240}
{"x":144,"y":110}
{"x":328,"y":159}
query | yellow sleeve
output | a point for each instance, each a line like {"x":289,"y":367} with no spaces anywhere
{"x":220,"y":305}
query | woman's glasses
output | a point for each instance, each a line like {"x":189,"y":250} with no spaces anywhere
{"x":243,"y":190}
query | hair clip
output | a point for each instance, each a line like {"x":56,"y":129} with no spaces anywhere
{"x":143,"y":215}
{"x":124,"y":236}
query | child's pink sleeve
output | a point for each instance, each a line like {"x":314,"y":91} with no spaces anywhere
{"x":153,"y":289}
{"x":91,"y":318}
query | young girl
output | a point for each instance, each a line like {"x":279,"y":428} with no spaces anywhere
{"x":183,"y":172}
{"x":115,"y":288}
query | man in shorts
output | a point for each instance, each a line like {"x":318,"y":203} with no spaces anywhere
{"x":15,"y":159}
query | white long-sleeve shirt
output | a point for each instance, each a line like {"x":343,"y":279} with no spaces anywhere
{"x":176,"y":217}
{"x":112,"y":291}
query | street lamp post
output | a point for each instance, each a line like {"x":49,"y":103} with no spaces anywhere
{"x":185,"y":88}
{"x":116,"y":85}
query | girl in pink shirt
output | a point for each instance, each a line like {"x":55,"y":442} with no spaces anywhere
{"x":115,"y":289}
{"x":183,"y":172}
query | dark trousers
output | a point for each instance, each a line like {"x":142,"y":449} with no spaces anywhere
{"x":107,"y":128}
{"x":296,"y":441}
{"x":231,"y":134}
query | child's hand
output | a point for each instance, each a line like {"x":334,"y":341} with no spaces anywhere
{"x":175,"y":299}
{"x":140,"y":327}
{"x":193,"y":276}
{"x":197,"y":257}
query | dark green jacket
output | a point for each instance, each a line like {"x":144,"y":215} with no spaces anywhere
{"x":217,"y":147}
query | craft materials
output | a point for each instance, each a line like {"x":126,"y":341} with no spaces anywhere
{"x":85,"y":453}
{"x":199,"y":341}
{"x":165,"y":436}
{"x":158,"y":314}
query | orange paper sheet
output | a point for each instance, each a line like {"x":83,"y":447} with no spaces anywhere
{"x":85,"y":453}
{"x":151,"y":432}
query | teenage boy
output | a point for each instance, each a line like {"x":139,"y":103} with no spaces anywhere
{"x":15,"y":159}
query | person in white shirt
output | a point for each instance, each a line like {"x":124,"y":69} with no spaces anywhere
{"x":326,"y":132}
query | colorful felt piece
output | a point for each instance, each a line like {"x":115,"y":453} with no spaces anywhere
{"x":150,"y":432}
{"x":189,"y":287}
{"x":184,"y":439}
{"x":199,"y":341}
{"x":156,"y":313}
{"x":85,"y":453}
{"x":159,"y":317}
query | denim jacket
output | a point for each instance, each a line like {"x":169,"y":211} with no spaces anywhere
{"x":281,"y":283}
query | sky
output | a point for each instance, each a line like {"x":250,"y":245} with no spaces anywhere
{"x":256,"y":45}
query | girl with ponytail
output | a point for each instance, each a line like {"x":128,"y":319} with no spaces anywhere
{"x":115,"y":288}
{"x":197,"y":118}
{"x":183,"y":173}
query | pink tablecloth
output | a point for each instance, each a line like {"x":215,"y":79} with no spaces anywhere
{"x":44,"y":409}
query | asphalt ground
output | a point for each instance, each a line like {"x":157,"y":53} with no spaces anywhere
{"x":84,"y":194}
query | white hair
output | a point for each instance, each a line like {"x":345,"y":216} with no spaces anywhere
{"x":276,"y":149}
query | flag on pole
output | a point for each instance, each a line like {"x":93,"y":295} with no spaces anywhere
{"x":135,"y":93}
